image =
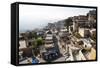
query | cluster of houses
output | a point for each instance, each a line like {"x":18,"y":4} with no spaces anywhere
{"x":84,"y":24}
{"x":85,"y":27}
{"x":26,"y":44}
{"x":79,"y":47}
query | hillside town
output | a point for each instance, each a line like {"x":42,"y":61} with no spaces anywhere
{"x":71,"y":39}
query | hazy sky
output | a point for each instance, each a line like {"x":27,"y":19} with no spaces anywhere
{"x":35,"y":16}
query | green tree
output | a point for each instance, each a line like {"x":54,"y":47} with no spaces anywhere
{"x":36,"y":44}
{"x":39,"y":41}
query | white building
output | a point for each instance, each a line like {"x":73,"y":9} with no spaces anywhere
{"x":84,"y":32}
{"x":92,"y":15}
{"x":49,"y":38}
{"x":75,"y":26}
{"x":63,"y":32}
{"x":49,"y":41}
{"x":93,"y":31}
{"x":87,"y":44}
{"x":70,"y":29}
{"x":22,"y":44}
